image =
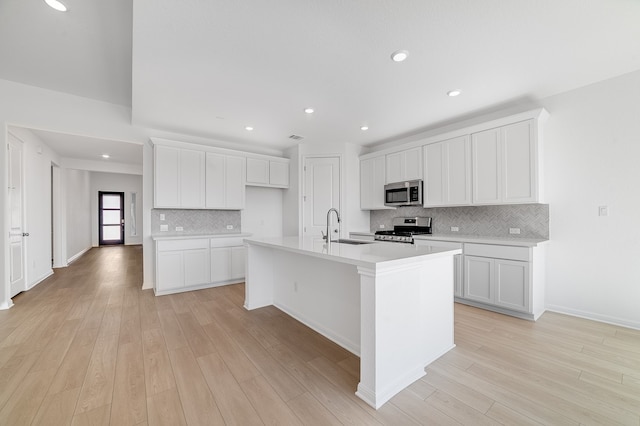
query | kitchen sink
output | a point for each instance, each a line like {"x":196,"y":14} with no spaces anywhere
{"x":354,"y":242}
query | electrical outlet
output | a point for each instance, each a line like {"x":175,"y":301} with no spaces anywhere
{"x":381,"y":226}
{"x":229,"y":226}
{"x":161,"y":216}
{"x":179,"y":228}
{"x":454,"y":229}
{"x":514,"y":230}
{"x":164,"y":228}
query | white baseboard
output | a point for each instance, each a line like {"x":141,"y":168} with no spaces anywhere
{"x":77,"y":256}
{"x":622,"y":322}
{"x":40,"y":279}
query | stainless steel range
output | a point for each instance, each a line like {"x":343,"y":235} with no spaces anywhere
{"x":404,"y":228}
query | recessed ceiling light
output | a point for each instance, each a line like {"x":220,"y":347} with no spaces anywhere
{"x":453,"y":93}
{"x":105,"y":155}
{"x":248,"y":128}
{"x":55,"y":4}
{"x":309,"y":110}
{"x":399,"y":55}
{"x":363,"y":128}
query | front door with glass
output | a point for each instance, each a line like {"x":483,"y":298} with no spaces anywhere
{"x":111,"y":217}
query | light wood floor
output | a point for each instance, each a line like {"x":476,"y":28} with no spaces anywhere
{"x":87,"y":346}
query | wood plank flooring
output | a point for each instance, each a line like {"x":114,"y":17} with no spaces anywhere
{"x":87,"y":346}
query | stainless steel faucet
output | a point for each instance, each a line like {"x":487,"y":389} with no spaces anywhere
{"x":327,"y":236}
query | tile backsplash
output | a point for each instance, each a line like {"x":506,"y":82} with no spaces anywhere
{"x":195,"y":221}
{"x":486,"y":221}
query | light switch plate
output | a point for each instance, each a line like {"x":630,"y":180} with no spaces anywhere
{"x":603,"y":210}
{"x":161,"y":216}
{"x":514,"y":230}
{"x":454,"y":229}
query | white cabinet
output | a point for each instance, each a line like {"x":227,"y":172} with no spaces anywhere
{"x":447,"y":173}
{"x":224,"y":181}
{"x":372,"y":178}
{"x":179,"y":178}
{"x":181,"y":264}
{"x":498,"y":276}
{"x":266,"y":172}
{"x":404,"y":165}
{"x":227,"y":260}
{"x":195,"y":263}
{"x":505,"y":164}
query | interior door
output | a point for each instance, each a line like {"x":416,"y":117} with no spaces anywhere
{"x":111,"y":217}
{"x":16,"y":216}
{"x":321,"y":192}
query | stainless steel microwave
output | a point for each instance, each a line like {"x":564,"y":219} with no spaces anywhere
{"x":408,"y":193}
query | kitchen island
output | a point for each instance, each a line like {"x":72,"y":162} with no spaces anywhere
{"x":391,"y":304}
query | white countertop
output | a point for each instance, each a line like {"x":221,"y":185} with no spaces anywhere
{"x":198,"y":236}
{"x":504,"y":241}
{"x":375,"y":254}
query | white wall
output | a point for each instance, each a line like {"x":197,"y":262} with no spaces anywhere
{"x":592,"y":154}
{"x":117,"y":182}
{"x":262,"y":215}
{"x":77,"y":185}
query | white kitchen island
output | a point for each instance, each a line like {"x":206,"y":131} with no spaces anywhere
{"x":391,"y":304}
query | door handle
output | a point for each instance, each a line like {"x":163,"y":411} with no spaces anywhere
{"x":25,"y":234}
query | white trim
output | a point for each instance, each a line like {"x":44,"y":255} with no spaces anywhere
{"x":77,"y":255}
{"x":40,"y":279}
{"x":594,"y":317}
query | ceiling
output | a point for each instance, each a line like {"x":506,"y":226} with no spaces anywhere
{"x":210,"y":68}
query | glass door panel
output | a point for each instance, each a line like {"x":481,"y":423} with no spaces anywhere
{"x":111,"y":217}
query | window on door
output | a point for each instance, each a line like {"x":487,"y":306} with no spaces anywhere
{"x":111,"y":217}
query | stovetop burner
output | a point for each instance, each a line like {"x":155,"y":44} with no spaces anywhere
{"x":404,"y":228}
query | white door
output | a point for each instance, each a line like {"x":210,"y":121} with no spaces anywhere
{"x":321,"y":192}
{"x":16,"y":205}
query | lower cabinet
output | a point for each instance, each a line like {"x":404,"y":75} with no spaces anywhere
{"x":498,"y":282}
{"x":191,"y":264}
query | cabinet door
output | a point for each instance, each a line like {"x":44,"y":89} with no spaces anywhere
{"x":166,"y":176}
{"x":486,"y":153}
{"x":237,"y":262}
{"x":457,"y":275}
{"x":512,"y":284}
{"x":220,"y":264}
{"x":196,"y":267}
{"x":457,"y":169}
{"x":257,"y":171}
{"x":372,"y":179}
{"x":519,"y":171}
{"x":215,"y":181}
{"x":192,"y":179}
{"x":434,"y":185}
{"x":478,"y":279}
{"x":234,"y":182}
{"x":394,"y":167}
{"x":170,"y":270}
{"x":412,"y":164}
{"x":278,"y":173}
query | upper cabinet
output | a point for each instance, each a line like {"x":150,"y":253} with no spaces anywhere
{"x":189,"y":176}
{"x":267,"y":172}
{"x":404,"y":165}
{"x":372,"y":178}
{"x":224,"y":181}
{"x":447,"y":173}
{"x":179,"y":176}
{"x":505,"y":164}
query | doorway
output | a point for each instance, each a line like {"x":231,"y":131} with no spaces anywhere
{"x":110,"y":218}
{"x":321,"y":192}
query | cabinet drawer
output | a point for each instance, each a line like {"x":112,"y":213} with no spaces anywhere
{"x":226,"y":242}
{"x":169,"y":245}
{"x":498,"y":252}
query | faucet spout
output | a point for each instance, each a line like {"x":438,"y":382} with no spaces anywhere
{"x":327,"y":237}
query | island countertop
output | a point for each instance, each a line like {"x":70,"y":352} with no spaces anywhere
{"x":372,"y":254}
